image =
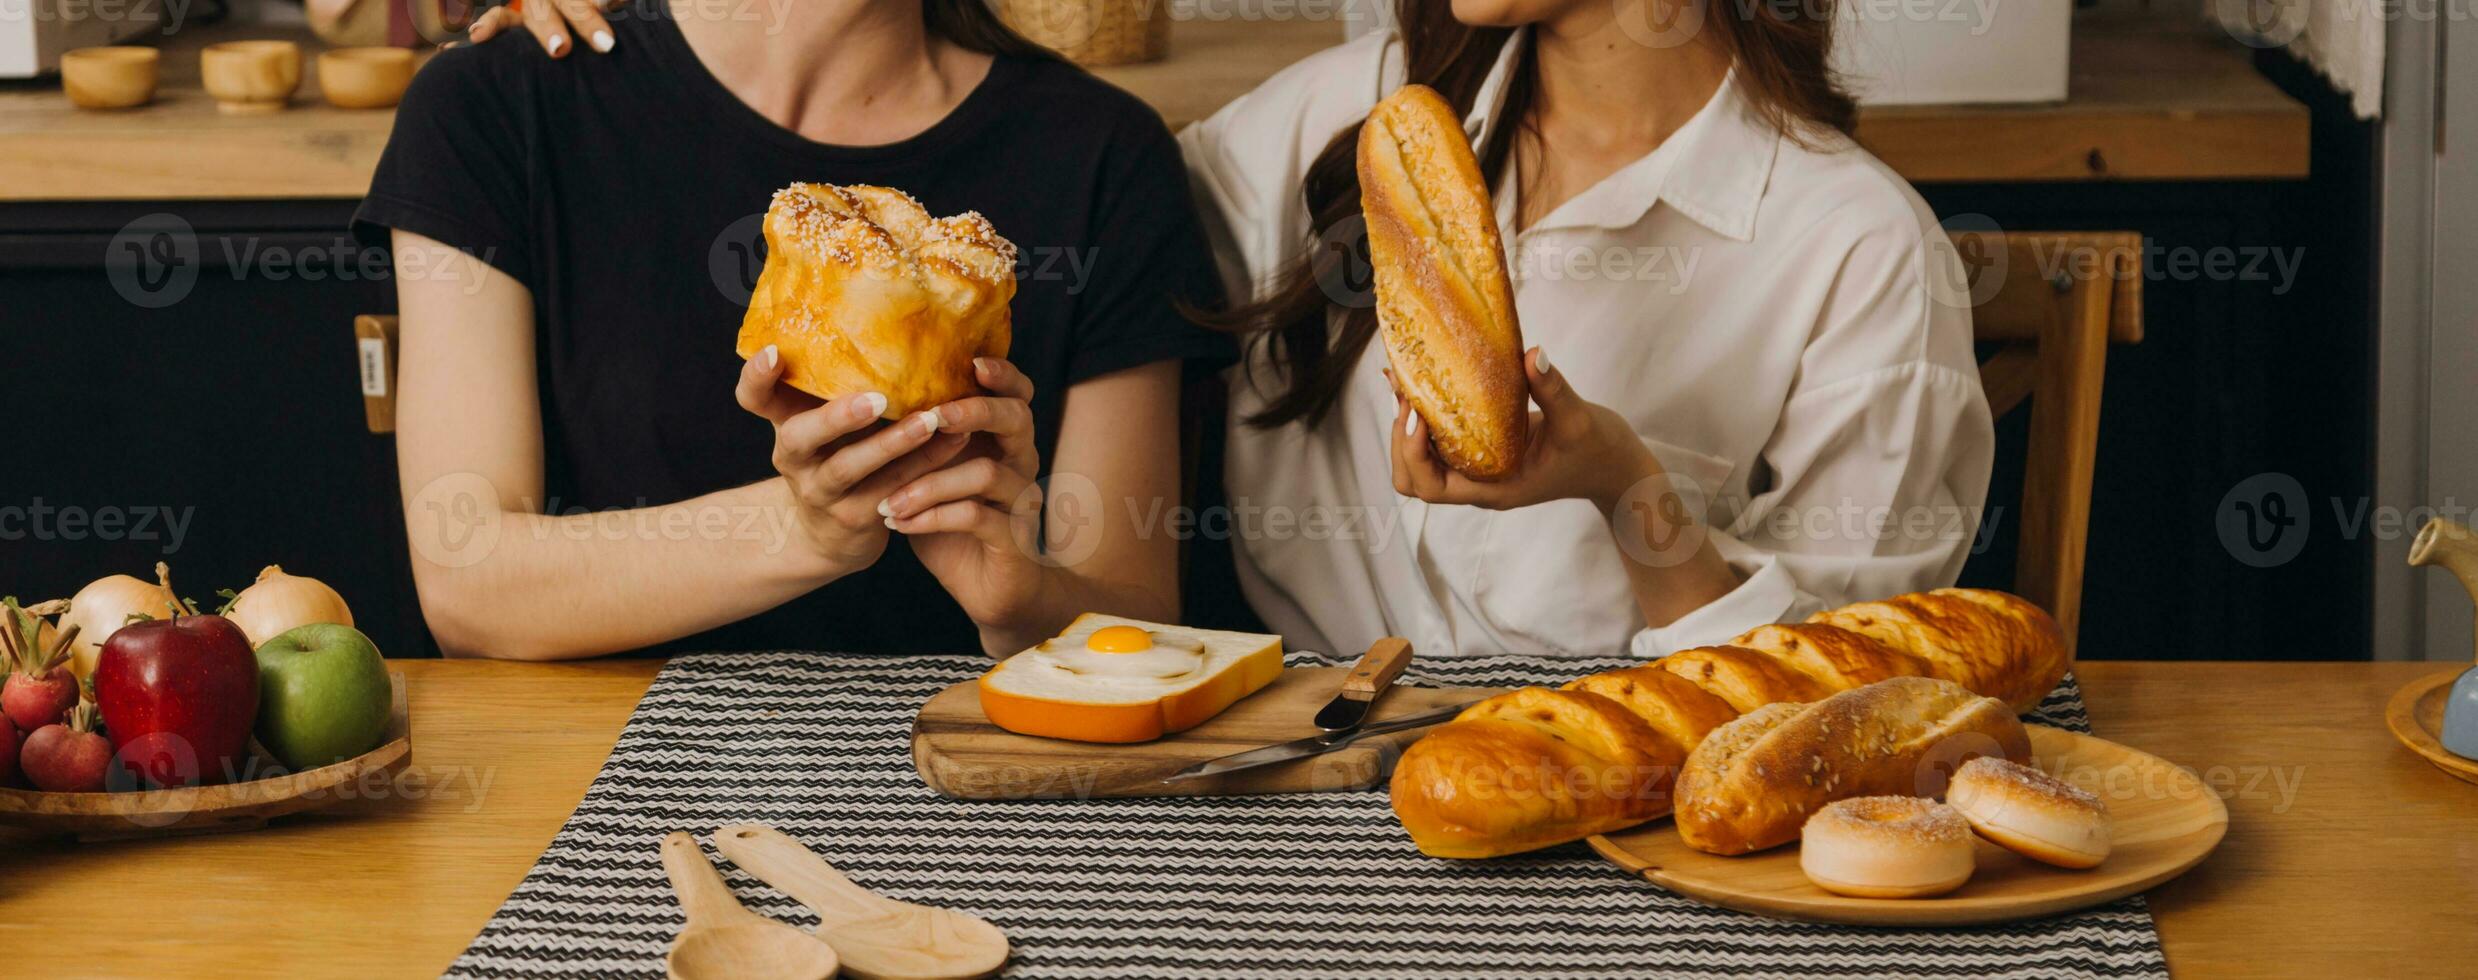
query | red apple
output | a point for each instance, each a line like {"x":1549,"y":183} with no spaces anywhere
{"x":178,"y":698}
{"x":68,"y":757}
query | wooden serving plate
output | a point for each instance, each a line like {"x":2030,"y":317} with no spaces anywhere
{"x":2166,"y":822}
{"x":2416,"y":717}
{"x":961,"y":754}
{"x":209,"y":809}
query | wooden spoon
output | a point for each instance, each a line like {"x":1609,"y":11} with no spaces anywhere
{"x":724,"y":939}
{"x":878,"y":937}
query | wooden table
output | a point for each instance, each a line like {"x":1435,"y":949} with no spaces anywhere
{"x":2151,"y":101}
{"x":2346,"y":855}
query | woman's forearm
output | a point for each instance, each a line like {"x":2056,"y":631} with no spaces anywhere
{"x":525,"y":586}
{"x":1671,"y":565}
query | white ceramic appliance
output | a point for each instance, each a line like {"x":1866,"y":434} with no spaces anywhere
{"x":33,"y":33}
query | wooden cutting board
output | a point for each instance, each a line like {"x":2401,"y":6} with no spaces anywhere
{"x":960,"y":754}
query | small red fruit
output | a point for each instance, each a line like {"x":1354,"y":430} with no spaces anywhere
{"x":39,"y":690}
{"x":68,"y":757}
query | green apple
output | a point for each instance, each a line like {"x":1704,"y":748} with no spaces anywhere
{"x":323,"y":695}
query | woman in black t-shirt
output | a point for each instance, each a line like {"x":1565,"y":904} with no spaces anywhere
{"x":575,"y":246}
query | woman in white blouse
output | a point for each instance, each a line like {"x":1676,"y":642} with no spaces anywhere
{"x":1763,"y":399}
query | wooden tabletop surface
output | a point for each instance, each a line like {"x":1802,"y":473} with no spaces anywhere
{"x":2346,"y":854}
{"x":2151,"y":101}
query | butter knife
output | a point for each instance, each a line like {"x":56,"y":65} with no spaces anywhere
{"x":1313,"y":744}
{"x":1368,"y":679}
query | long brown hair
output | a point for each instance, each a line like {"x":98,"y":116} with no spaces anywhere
{"x":1779,"y":48}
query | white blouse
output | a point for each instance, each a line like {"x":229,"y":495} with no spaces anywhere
{"x":1786,"y":328}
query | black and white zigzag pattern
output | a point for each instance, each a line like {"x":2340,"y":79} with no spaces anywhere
{"x":1311,"y":885}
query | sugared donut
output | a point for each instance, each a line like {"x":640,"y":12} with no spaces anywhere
{"x":1886,"y":847}
{"x":2031,"y":813}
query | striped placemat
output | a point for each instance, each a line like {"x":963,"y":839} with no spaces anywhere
{"x":1310,"y":885}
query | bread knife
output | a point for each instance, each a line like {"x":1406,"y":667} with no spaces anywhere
{"x":1314,"y":744}
{"x":1367,"y":681}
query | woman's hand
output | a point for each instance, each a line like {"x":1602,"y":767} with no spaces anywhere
{"x":1576,"y":450}
{"x":976,"y":523}
{"x":552,"y":23}
{"x":1580,"y":450}
{"x":835,"y":468}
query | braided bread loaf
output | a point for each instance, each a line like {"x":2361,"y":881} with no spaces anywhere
{"x":1536,"y":767}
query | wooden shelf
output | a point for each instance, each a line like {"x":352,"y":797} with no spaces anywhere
{"x":2151,"y":101}
{"x":181,"y":147}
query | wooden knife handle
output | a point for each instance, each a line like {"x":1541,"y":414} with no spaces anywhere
{"x":1383,"y":662}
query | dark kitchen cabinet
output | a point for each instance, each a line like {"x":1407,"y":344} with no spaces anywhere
{"x":2231,"y":511}
{"x":192,"y":396}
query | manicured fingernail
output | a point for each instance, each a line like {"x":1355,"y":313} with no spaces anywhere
{"x":983,"y":364}
{"x":1542,"y":359}
{"x":930,"y":421}
{"x":769,"y":358}
{"x":890,"y":523}
{"x":886,"y":508}
{"x":603,"y":41}
{"x":876,"y":403}
{"x":1411,"y":420}
{"x":557,"y":44}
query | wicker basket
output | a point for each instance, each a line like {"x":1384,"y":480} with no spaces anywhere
{"x":1093,"y":32}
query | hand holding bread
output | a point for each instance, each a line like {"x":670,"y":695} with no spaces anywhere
{"x":1531,"y":768}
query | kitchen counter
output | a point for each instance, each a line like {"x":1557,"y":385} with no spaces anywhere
{"x":2151,"y":101}
{"x":2346,"y":854}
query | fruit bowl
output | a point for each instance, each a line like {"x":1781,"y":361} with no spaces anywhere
{"x":212,"y":809}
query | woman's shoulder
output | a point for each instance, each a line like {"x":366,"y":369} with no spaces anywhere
{"x":1321,"y":94}
{"x":492,"y":87}
{"x":1828,"y":190}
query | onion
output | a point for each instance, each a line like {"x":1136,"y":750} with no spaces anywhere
{"x":105,"y":605}
{"x":279,"y":602}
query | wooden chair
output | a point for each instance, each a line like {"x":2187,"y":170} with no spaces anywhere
{"x":2062,"y":298}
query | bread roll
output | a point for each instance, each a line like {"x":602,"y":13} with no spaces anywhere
{"x":1665,"y":700}
{"x":1530,"y":768}
{"x":1986,"y":639}
{"x":1443,"y":303}
{"x":1990,"y":642}
{"x":1835,"y":657}
{"x":1755,"y":781}
{"x":1746,"y":679}
{"x":864,"y":291}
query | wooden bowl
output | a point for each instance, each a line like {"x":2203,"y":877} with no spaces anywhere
{"x":111,"y":77}
{"x":251,"y":76}
{"x":211,"y":809}
{"x":2165,"y":819}
{"x":364,"y":78}
{"x":2416,"y":717}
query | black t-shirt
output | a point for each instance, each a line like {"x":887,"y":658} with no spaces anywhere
{"x":626,"y":191}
